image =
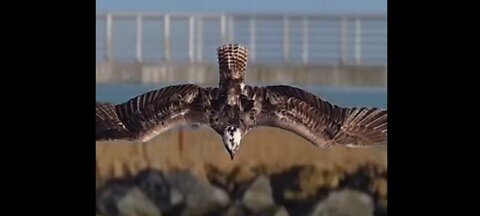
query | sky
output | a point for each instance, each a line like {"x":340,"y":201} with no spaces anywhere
{"x":279,"y":6}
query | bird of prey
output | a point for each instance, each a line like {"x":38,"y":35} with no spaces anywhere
{"x":233,"y":109}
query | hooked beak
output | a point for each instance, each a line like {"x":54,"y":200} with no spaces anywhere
{"x":231,"y":139}
{"x":232,"y":154}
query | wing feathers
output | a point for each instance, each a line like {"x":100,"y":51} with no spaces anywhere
{"x":317,"y":120}
{"x":107,"y":122}
{"x":364,"y":126}
{"x":147,"y":115}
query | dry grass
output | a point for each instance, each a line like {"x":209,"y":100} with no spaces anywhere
{"x":272,"y":148}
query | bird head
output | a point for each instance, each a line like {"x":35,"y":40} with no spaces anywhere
{"x":232,"y":136}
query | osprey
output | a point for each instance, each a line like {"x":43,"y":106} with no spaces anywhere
{"x":233,"y":109}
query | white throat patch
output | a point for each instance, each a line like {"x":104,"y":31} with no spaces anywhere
{"x":232,"y":137}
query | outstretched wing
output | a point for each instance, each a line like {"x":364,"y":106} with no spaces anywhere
{"x":108,"y":125}
{"x":147,"y":115}
{"x":317,"y":120}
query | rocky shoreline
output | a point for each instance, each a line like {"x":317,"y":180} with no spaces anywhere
{"x":298,"y":190}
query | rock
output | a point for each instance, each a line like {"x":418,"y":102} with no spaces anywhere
{"x":234,"y":182}
{"x":121,"y":197}
{"x":345,"y":203}
{"x":199,"y":196}
{"x":269,"y":211}
{"x":175,"y":193}
{"x":259,"y":195}
{"x":240,"y":210}
{"x":156,"y":187}
{"x":108,"y":196}
{"x":135,"y":203}
{"x":235,"y":210}
{"x":176,"y":197}
{"x":281,"y":211}
{"x":218,"y":196}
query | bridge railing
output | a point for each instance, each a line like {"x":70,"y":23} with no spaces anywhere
{"x":270,"y":38}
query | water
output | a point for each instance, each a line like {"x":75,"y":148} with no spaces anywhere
{"x":344,"y":96}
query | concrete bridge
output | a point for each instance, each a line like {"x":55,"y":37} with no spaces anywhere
{"x":332,"y":75}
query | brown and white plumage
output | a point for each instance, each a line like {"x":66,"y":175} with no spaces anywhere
{"x":317,"y":120}
{"x":233,"y":109}
{"x":107,"y":122}
{"x":232,"y":63}
{"x":147,"y":115}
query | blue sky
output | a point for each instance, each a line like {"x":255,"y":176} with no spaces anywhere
{"x":283,"y":6}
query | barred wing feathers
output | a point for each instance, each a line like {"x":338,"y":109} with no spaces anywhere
{"x":107,"y":122}
{"x":147,"y":115}
{"x":317,"y":120}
